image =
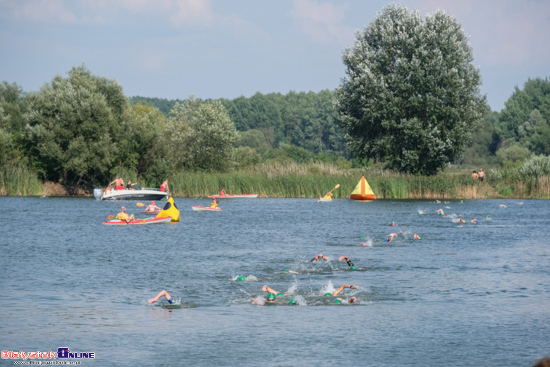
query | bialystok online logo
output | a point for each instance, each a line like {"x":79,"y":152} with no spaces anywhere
{"x":62,"y":353}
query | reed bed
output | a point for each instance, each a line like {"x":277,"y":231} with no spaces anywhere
{"x":312,"y":180}
{"x":18,"y":180}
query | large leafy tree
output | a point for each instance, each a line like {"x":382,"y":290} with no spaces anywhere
{"x":202,"y":135}
{"x":411,"y":94}
{"x":73,"y":124}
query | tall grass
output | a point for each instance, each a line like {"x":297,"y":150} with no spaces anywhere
{"x":18,"y":180}
{"x":314,"y":180}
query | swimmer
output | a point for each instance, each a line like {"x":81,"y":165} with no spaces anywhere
{"x":440,"y":211}
{"x":290,"y":272}
{"x":502,"y":206}
{"x":473,"y":221}
{"x":319,"y":257}
{"x":438,"y":202}
{"x":461,"y":202}
{"x":460,"y":220}
{"x":390,"y":237}
{"x":337,"y":292}
{"x":165,"y":294}
{"x":271,"y":296}
{"x":418,"y":237}
{"x":392,"y":224}
{"x":459,"y":227}
{"x":350,"y":264}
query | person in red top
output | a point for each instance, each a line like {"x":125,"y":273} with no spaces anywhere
{"x":164,"y":186}
{"x":222,"y":193}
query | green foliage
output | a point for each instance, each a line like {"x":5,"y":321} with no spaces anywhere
{"x":72,"y":123}
{"x":162,"y":104}
{"x":411,"y":95}
{"x":536,"y":167}
{"x":202,"y":135}
{"x":17,"y":180}
{"x":520,"y":106}
{"x":254,"y":139}
{"x":512,"y":155}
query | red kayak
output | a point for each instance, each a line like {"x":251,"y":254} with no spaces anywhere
{"x":199,"y":208}
{"x":245,"y":196}
{"x":139,"y":221}
{"x":151,"y":212}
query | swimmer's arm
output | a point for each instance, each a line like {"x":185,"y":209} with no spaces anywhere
{"x":343,"y":258}
{"x":269,"y":290}
{"x":337,"y":292}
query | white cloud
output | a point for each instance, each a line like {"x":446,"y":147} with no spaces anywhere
{"x":322,"y":21}
{"x":502,"y":32}
{"x":49,"y":11}
{"x":192,"y":12}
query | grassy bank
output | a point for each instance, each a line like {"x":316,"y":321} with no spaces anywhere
{"x":313,"y":181}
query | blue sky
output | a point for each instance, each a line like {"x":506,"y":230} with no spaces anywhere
{"x":221,"y":48}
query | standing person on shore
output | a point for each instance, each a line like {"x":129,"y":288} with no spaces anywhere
{"x":475,"y":176}
{"x":481,"y":175}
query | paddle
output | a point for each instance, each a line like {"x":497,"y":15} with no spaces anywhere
{"x":335,"y":187}
{"x":140,"y":204}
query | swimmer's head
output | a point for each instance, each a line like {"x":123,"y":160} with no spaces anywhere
{"x":285,"y":271}
{"x":241,"y":279}
{"x":280,"y":294}
{"x":328,"y":294}
{"x":271,"y":297}
{"x":352,"y":300}
{"x":293,"y":302}
{"x":352,"y":268}
{"x":337,"y":300}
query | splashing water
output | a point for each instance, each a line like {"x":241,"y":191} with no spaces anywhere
{"x":367,"y":243}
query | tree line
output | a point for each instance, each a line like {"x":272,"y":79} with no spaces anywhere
{"x":410,"y":102}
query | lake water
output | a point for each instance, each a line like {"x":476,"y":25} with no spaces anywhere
{"x":472,"y":296}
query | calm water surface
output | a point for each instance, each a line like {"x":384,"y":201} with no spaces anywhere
{"x":472,"y":296}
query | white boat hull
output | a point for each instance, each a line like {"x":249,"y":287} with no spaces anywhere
{"x":143,"y":194}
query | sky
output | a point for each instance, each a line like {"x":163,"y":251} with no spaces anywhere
{"x":226,"y":49}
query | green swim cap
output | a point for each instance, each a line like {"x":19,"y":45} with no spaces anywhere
{"x":240,"y":279}
{"x":328,"y":294}
{"x":285,"y":271}
{"x":271,"y":295}
{"x":352,"y":268}
{"x":280,"y":294}
{"x":337,"y":300}
{"x":292,"y":302}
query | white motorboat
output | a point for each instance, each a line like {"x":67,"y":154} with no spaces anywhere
{"x":125,"y":194}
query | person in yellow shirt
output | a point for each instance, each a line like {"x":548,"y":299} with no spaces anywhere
{"x":214,"y":203}
{"x":123,"y":216}
{"x":328,"y":196}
